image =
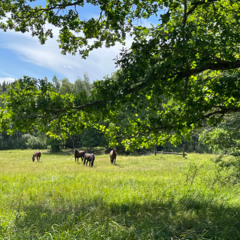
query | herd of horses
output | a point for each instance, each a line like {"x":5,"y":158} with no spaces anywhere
{"x":87,"y":158}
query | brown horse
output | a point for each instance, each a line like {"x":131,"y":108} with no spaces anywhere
{"x":37,"y":155}
{"x":89,"y":158}
{"x":78,"y":154}
{"x":113,"y":156}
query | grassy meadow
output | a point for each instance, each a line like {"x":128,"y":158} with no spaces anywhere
{"x":142,"y":197}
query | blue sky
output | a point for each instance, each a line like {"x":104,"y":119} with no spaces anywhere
{"x":21,"y":54}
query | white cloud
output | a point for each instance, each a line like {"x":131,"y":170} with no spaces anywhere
{"x":99,"y":63}
{"x":48,"y":57}
{"x":7,"y":80}
{"x":67,"y":67}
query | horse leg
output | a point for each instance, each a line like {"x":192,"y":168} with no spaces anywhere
{"x":92,"y":160}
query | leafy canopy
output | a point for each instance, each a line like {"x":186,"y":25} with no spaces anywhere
{"x":178,"y":73}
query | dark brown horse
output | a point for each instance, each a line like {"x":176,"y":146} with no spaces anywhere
{"x":113,"y":156}
{"x":37,"y":155}
{"x":89,"y":158}
{"x":78,"y":154}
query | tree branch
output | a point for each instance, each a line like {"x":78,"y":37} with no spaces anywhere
{"x":220,"y":65}
{"x":217,"y":65}
{"x":58,"y":6}
{"x":223,"y":111}
{"x":198,"y":3}
{"x":96,"y":103}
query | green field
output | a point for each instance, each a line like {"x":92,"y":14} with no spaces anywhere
{"x":142,"y":197}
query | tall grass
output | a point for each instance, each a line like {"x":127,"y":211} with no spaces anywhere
{"x":142,"y":197}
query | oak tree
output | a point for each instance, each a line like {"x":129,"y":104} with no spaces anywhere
{"x":179,"y":73}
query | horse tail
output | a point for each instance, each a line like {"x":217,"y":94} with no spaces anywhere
{"x":93,"y":158}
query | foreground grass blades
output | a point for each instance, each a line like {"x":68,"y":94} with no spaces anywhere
{"x":142,"y":197}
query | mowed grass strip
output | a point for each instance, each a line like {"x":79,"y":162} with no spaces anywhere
{"x":142,"y":197}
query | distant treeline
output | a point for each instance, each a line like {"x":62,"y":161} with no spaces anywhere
{"x":89,"y":138}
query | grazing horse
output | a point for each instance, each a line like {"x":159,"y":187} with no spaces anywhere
{"x":89,"y":157}
{"x":37,"y":155}
{"x":78,"y":154}
{"x":113,"y":156}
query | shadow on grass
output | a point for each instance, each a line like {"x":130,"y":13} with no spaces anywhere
{"x":187,"y":219}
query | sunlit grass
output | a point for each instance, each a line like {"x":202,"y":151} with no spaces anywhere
{"x":142,"y":197}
